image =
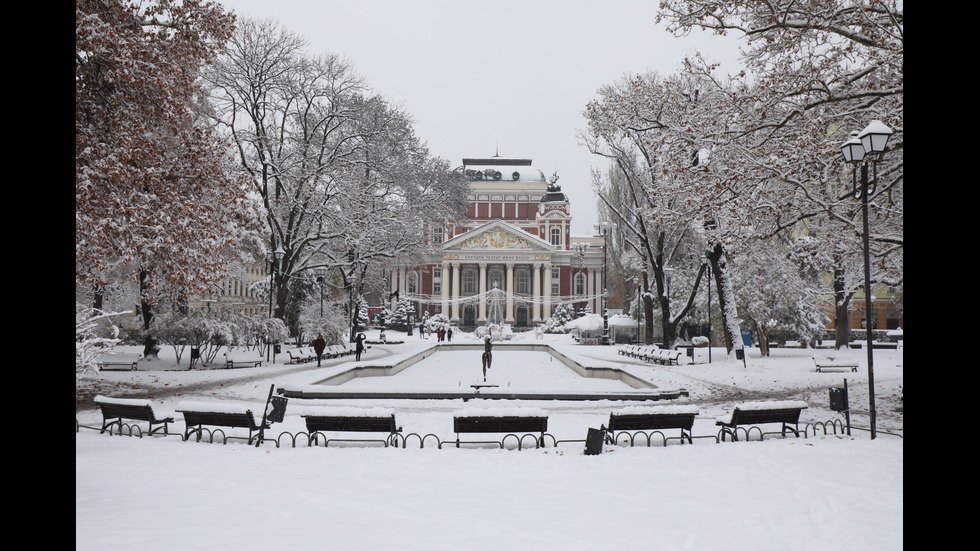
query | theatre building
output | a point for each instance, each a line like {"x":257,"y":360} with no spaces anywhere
{"x":513,"y":258}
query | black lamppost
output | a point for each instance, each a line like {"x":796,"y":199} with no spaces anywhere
{"x":636,"y":281}
{"x":859,"y":149}
{"x":604,"y":229}
{"x":272,"y":260}
{"x":707,"y":265}
{"x":321,"y":273}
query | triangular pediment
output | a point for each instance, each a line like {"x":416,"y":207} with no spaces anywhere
{"x":497,"y":235}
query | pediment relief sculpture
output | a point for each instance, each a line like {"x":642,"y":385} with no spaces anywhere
{"x":495,"y":239}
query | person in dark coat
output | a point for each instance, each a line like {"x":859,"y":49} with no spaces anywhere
{"x":359,"y":345}
{"x":318,"y":345}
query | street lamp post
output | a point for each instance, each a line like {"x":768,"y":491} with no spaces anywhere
{"x":868,"y":145}
{"x":604,"y":229}
{"x":272,"y":260}
{"x":321,"y":272}
{"x":636,"y":281}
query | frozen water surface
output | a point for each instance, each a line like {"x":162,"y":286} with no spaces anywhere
{"x":514,"y":369}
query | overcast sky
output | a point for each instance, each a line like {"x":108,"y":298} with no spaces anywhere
{"x":503,"y":76}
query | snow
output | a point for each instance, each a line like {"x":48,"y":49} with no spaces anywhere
{"x":819,"y":492}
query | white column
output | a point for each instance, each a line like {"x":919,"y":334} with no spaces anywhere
{"x":547,"y":291}
{"x":482,"y":311}
{"x":536,"y":292}
{"x":510,"y":293}
{"x":455,"y":294}
{"x":444,"y":285}
{"x":590,"y":288}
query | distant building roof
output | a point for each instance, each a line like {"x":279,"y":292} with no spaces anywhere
{"x":501,"y":169}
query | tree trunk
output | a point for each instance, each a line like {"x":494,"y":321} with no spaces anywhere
{"x":726,"y":299}
{"x":763,"y":339}
{"x":150,"y":347}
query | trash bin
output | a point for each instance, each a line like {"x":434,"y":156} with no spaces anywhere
{"x":593,"y":442}
{"x":278,"y":412}
{"x":838,"y":399}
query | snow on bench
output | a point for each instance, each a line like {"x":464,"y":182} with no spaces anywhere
{"x":825,"y":362}
{"x":651,"y":418}
{"x":122,"y":360}
{"x":197,"y":415}
{"x":786,"y":412}
{"x":114,"y":410}
{"x":501,"y":420}
{"x":243,"y":359}
{"x":350,"y":419}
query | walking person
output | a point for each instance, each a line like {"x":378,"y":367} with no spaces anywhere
{"x":449,"y":334}
{"x":318,"y":345}
{"x":359,"y":346}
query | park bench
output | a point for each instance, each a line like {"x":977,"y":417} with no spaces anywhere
{"x":670,"y":357}
{"x":198,"y":416}
{"x":829,"y":362}
{"x":243,"y":359}
{"x":123,"y":360}
{"x":520,"y":420}
{"x":337,"y":350}
{"x":351,"y":420}
{"x":759,"y":413}
{"x":301,"y":355}
{"x":654,"y":419}
{"x":647,"y":353}
{"x":629,"y":350}
{"x":114,"y":410}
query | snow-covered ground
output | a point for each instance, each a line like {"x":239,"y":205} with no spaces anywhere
{"x":818,"y":492}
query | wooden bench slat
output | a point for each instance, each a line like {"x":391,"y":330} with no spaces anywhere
{"x":196,"y":420}
{"x":113,"y":412}
{"x":787,"y":416}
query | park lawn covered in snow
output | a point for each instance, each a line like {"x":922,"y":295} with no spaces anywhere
{"x":818,"y":492}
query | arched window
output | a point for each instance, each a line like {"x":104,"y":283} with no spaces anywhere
{"x":580,"y":284}
{"x":522,"y":281}
{"x":413,"y":279}
{"x":495,"y":274}
{"x":469,"y":280}
{"x":556,"y":236}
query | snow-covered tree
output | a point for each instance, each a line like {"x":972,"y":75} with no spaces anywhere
{"x":345,"y":182}
{"x":773,"y":291}
{"x":155,"y":200}
{"x":813,"y":72}
{"x":646,"y":126}
{"x":562,"y":314}
{"x":399,"y":318}
{"x":93,"y":337}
